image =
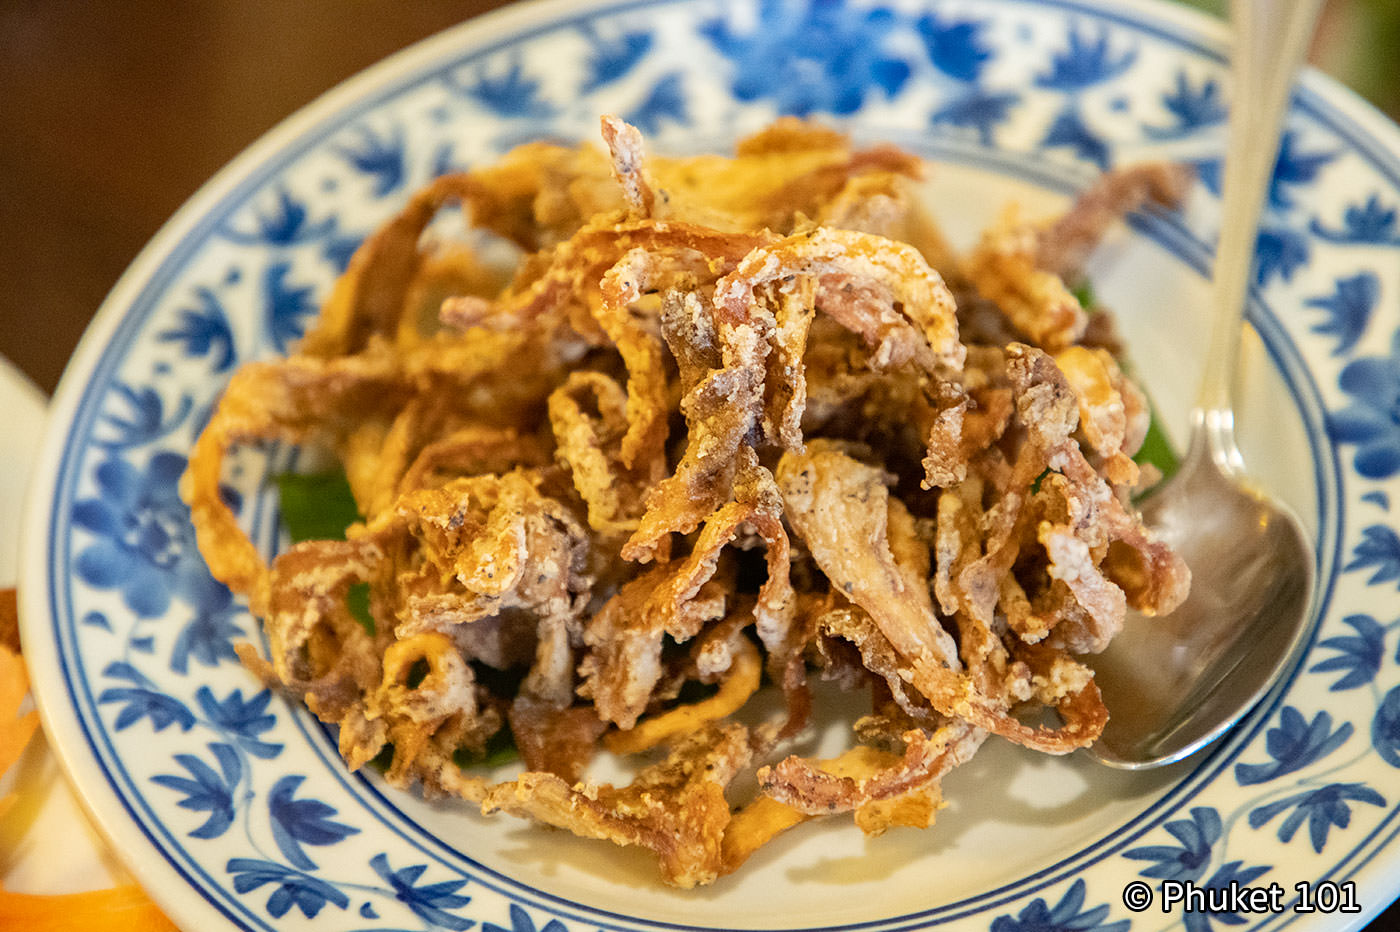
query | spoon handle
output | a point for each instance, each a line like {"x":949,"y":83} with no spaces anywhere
{"x":1270,"y":39}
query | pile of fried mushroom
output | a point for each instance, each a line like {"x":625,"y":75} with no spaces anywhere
{"x":721,"y":425}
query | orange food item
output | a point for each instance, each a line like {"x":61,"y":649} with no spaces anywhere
{"x":15,"y":729}
{"x":120,"y":909}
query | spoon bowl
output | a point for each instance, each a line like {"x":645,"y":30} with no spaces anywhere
{"x":1174,"y":684}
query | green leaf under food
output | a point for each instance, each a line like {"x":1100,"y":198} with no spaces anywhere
{"x":500,"y":749}
{"x":1084,"y":293}
{"x":357,"y":601}
{"x":1156,"y":449}
{"x":320,"y":506}
{"x":384,"y":759}
{"x":317,"y":506}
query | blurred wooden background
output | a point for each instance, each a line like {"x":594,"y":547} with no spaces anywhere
{"x":116,"y":111}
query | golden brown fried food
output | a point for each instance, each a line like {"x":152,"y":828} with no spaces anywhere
{"x":721,"y":424}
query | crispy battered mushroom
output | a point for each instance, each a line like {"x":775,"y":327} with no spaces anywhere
{"x":722,"y":424}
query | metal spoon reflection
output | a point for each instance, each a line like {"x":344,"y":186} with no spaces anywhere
{"x":1173,"y":685}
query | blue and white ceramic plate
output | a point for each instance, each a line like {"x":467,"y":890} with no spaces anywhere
{"x":233,"y":808}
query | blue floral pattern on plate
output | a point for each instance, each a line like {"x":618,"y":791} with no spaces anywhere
{"x":237,"y":799}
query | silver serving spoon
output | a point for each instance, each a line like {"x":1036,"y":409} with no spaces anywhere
{"x":1174,"y":684}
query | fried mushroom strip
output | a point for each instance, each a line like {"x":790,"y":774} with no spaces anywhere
{"x":833,"y":499}
{"x":841,"y":509}
{"x":722,"y":426}
{"x":1005,"y":269}
{"x":880,"y":289}
{"x":678,"y":598}
{"x":675,"y":808}
{"x":588,"y":417}
{"x":625,"y":146}
{"x":1065,"y":245}
{"x":1022,"y":267}
{"x":296,"y":400}
{"x":745,"y":672}
{"x":503,"y":545}
{"x":815,"y":789}
{"x":566,"y":280}
{"x":415,"y":709}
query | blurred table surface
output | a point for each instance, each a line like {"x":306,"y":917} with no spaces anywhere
{"x":116,"y":111}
